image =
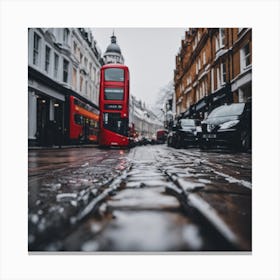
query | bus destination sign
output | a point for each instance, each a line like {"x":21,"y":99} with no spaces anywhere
{"x":112,"y":106}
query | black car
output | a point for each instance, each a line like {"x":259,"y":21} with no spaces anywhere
{"x":228,"y":125}
{"x":183,"y":134}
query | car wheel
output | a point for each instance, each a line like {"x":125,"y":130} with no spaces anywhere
{"x":178,"y":143}
{"x":244,"y":144}
{"x":169,"y":142}
{"x":203,"y":145}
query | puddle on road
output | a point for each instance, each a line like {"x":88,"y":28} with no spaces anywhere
{"x":146,"y":231}
{"x":146,"y":198}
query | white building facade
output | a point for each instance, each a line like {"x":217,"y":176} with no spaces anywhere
{"x":61,"y":61}
{"x":145,"y":122}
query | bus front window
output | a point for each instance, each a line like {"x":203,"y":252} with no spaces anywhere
{"x":114,"y":94}
{"x":114,"y":74}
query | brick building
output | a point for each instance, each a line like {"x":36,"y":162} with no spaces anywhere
{"x":213,"y":67}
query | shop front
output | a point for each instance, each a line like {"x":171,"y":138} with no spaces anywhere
{"x":45,"y":113}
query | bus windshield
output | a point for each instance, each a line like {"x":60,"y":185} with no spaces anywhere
{"x":114,"y":122}
{"x":114,"y":74}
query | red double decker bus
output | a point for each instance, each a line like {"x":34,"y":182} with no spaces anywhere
{"x":83,"y":121}
{"x":114,"y":105}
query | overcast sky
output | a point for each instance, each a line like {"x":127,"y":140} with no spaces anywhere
{"x":148,"y":52}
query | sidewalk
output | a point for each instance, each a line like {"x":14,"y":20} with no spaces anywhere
{"x":62,"y":147}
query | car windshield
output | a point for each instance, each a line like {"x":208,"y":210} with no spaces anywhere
{"x":187,"y":122}
{"x":227,"y":110}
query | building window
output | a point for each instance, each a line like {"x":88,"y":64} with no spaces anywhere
{"x":81,"y":84}
{"x":74,"y":78}
{"x":65,"y":70}
{"x":217,"y":43}
{"x":189,"y":80}
{"x":222,"y":37}
{"x":199,"y":64}
{"x":47,"y":59}
{"x":203,"y":89}
{"x":195,"y":42}
{"x":90,"y":70}
{"x":204,"y":58}
{"x":86,"y":88}
{"x":86,"y":62}
{"x":36,"y":49}
{"x":245,"y":57}
{"x":218,"y":78}
{"x":75,"y":48}
{"x":65,"y":35}
{"x":212,"y":80}
{"x":78,"y":53}
{"x":90,"y":92}
{"x":94,"y":74}
{"x":181,"y":88}
{"x":81,"y":57}
{"x":56,"y":63}
{"x":223,"y":73}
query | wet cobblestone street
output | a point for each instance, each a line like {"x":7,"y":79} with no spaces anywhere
{"x":147,"y":199}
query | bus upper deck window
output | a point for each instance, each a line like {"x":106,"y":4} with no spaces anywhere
{"x":114,"y":74}
{"x":114,"y":94}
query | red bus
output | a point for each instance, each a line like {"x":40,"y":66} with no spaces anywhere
{"x":161,"y":136}
{"x":114,"y":105}
{"x":83,"y":121}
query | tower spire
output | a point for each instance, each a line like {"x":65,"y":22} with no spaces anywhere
{"x":113,"y":38}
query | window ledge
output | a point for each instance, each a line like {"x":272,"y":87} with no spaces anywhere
{"x":245,"y":69}
{"x":220,"y":52}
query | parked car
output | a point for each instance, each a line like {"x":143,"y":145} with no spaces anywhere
{"x":229,"y":125}
{"x":184,"y":133}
